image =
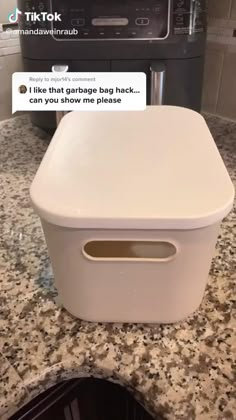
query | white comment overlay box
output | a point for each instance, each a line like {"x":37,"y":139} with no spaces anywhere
{"x":78,"y":91}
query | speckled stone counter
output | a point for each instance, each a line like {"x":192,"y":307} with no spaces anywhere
{"x":184,"y":371}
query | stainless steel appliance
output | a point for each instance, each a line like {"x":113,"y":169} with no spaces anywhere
{"x":163,"y":38}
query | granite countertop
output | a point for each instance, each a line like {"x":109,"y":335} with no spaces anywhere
{"x":183,"y":371}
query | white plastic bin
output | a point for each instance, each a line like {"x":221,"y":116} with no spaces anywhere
{"x":131,"y":205}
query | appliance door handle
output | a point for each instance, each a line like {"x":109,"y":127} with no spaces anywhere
{"x":158,"y":78}
{"x":60,"y":68}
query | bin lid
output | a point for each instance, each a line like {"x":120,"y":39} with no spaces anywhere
{"x":154,"y":169}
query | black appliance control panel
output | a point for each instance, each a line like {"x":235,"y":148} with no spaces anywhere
{"x":111,"y":19}
{"x":189,"y":17}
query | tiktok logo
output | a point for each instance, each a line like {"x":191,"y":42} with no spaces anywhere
{"x":14,"y":17}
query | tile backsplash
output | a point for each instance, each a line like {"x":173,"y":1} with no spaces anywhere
{"x":10,"y":59}
{"x":220,"y":9}
{"x":219,"y":93}
{"x":233,"y":13}
{"x":6,"y":6}
{"x":10,"y":62}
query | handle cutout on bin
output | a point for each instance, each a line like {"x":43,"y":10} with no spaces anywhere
{"x":133,"y":250}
